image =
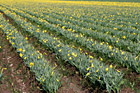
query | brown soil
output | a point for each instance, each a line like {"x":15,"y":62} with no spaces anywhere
{"x":17,"y":77}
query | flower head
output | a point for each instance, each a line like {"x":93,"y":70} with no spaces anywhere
{"x":20,"y":49}
{"x":87,"y":74}
{"x":70,"y":58}
{"x":124,"y":37}
{"x":110,"y":66}
{"x":101,"y":59}
{"x":20,"y":54}
{"x":92,"y":65}
{"x":106,"y":69}
{"x":31,"y":64}
{"x":115,"y":28}
{"x":59,"y":50}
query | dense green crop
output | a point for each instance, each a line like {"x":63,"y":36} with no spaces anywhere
{"x":99,"y":31}
{"x":88,"y":66}
{"x":107,"y":0}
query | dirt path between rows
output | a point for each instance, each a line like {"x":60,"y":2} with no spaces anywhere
{"x":17,"y":78}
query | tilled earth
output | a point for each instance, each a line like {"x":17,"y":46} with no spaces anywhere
{"x":16,"y":78}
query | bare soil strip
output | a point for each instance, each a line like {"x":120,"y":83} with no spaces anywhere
{"x":17,"y":78}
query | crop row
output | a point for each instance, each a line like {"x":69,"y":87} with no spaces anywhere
{"x":101,"y":20}
{"x":107,"y":17}
{"x":71,"y":23}
{"x":106,"y":51}
{"x":44,"y":73}
{"x":120,"y":43}
{"x":87,"y":65}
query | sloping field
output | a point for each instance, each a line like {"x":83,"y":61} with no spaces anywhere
{"x":106,"y":0}
{"x":85,"y":41}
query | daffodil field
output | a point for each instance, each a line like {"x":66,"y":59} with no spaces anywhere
{"x":91,"y":36}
